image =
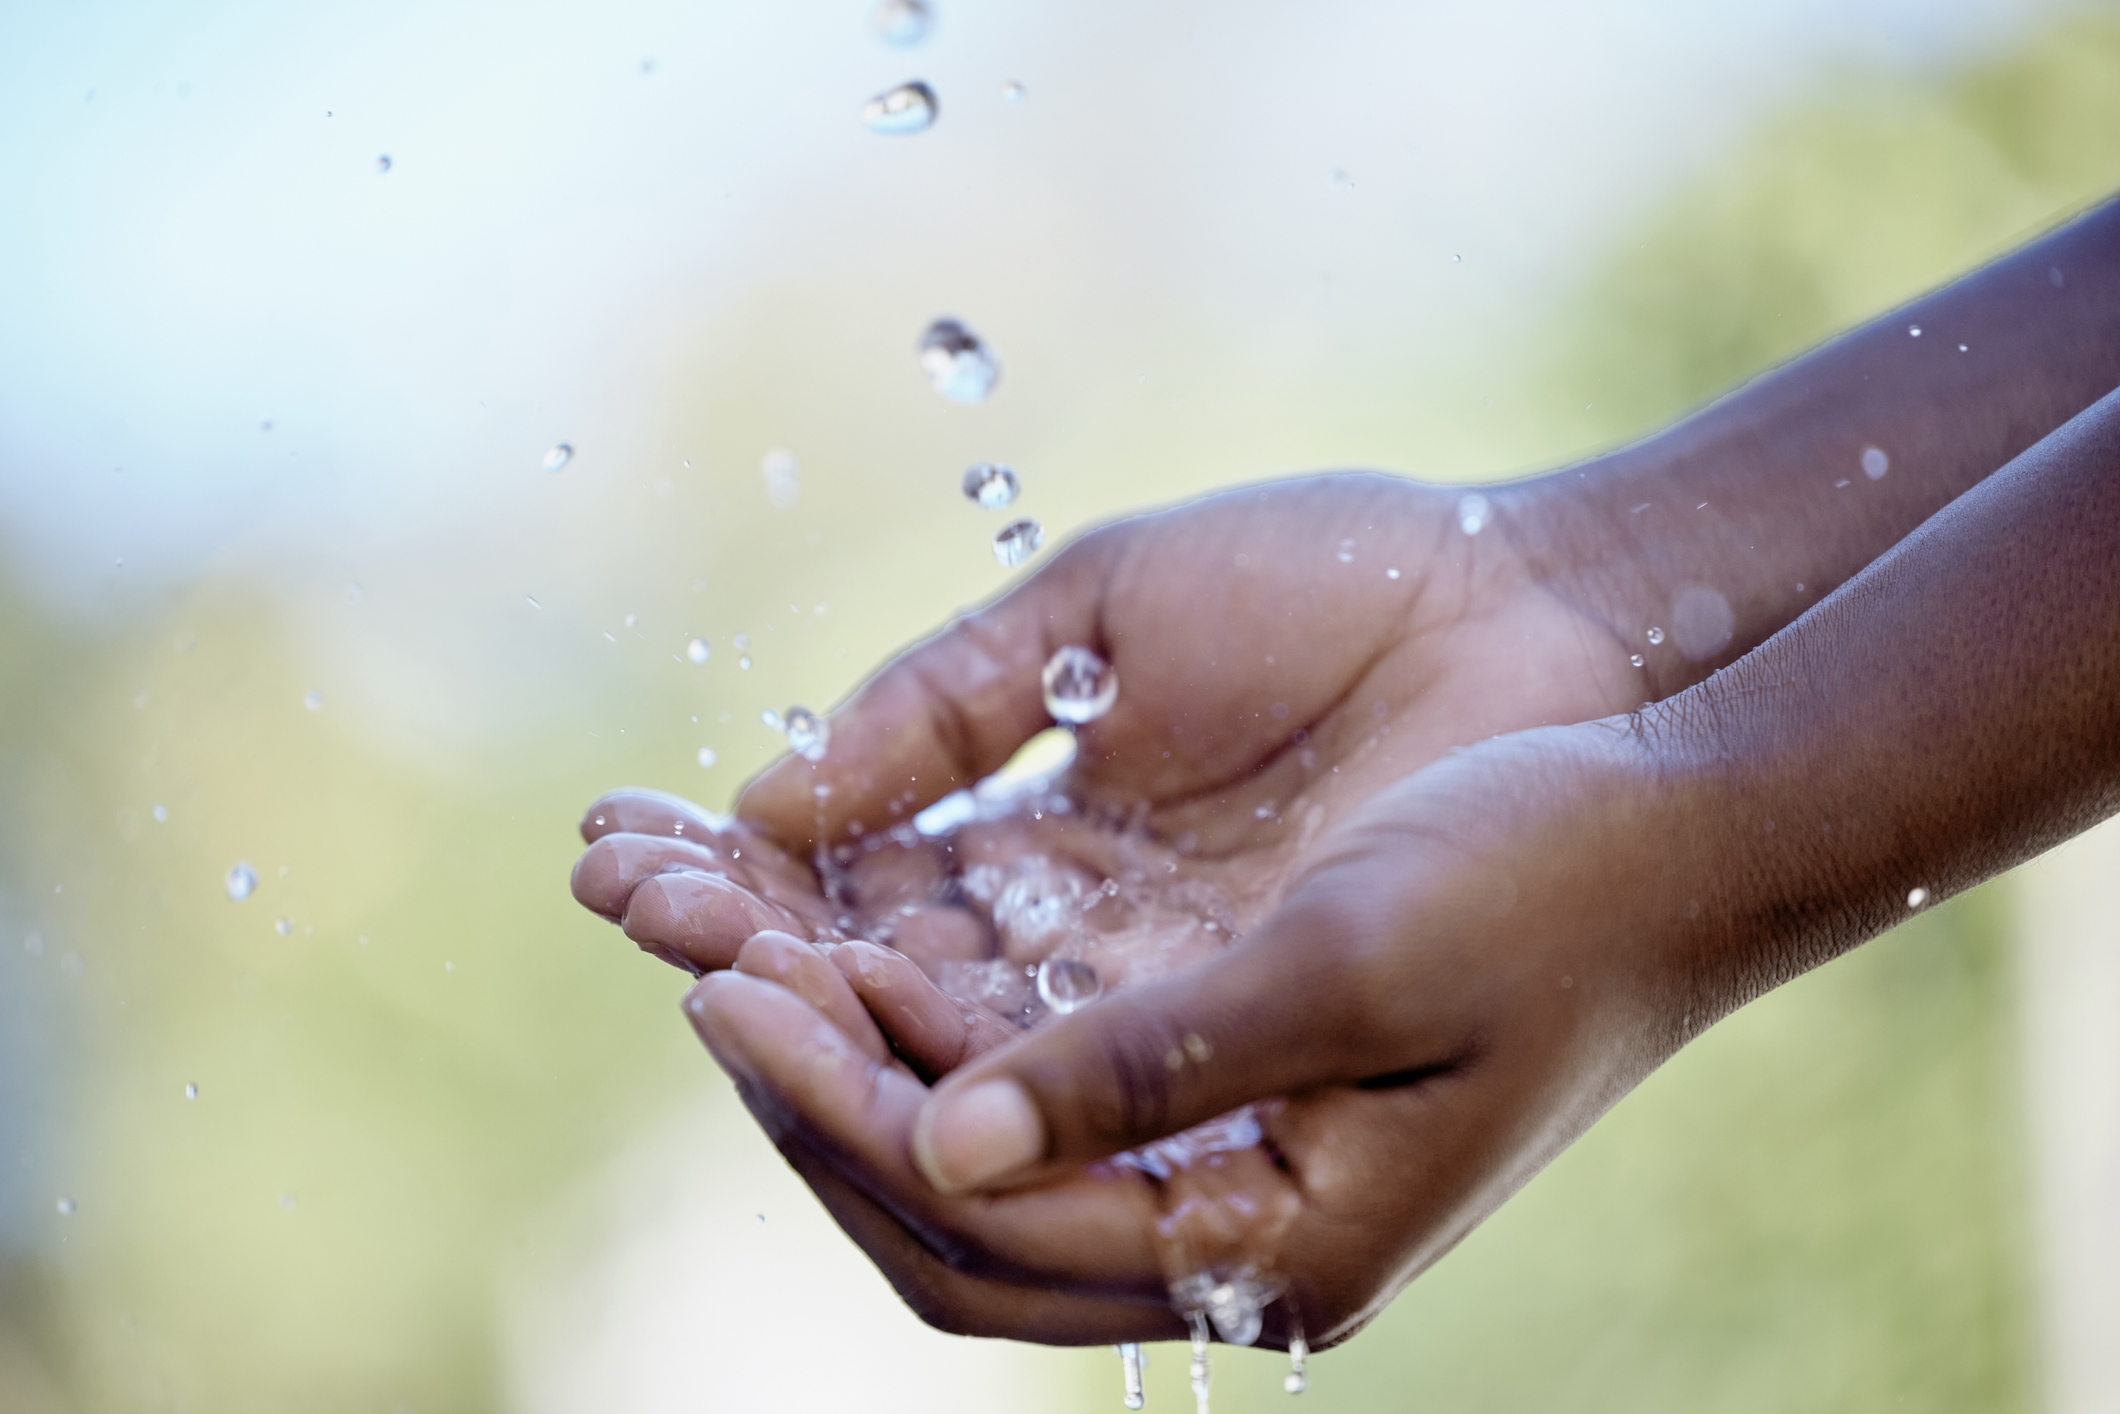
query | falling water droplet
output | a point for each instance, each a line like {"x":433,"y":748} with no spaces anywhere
{"x":902,"y":21}
{"x":161,"y":814}
{"x":772,"y":721}
{"x":559,"y":456}
{"x":1656,"y":636}
{"x":191,"y":1090}
{"x":961,"y":366}
{"x":707,"y":758}
{"x":242,"y":882}
{"x":698,"y":650}
{"x":1473,"y":512}
{"x":808,"y":734}
{"x":1875,"y":463}
{"x":1346,"y":552}
{"x":313,"y":700}
{"x":1913,"y":331}
{"x":382,"y":163}
{"x":1917,"y":897}
{"x":993,"y":486}
{"x":783,"y":476}
{"x":287,"y":1201}
{"x":1079,"y":686}
{"x":1018,"y":541}
{"x":1636,"y":659}
{"x":1066,"y":985}
{"x":283,"y":926}
{"x":908,"y":108}
{"x":1298,"y":1378}
{"x":1130,"y":1373}
{"x":66,"y":1207}
{"x":1013,"y":92}
{"x":1202,"y":1373}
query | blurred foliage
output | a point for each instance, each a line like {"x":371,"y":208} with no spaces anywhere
{"x":1813,"y":1207}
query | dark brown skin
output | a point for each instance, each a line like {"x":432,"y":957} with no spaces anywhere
{"x":1515,"y":873}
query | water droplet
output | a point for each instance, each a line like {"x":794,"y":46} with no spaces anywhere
{"x":1473,"y":512}
{"x":1346,"y":552}
{"x":808,"y":734}
{"x":313,"y":700}
{"x":698,"y":650}
{"x":1656,"y":636}
{"x":66,"y":1207}
{"x":559,"y":456}
{"x":632,"y":619}
{"x":1338,"y":179}
{"x":783,"y":476}
{"x":993,"y":486}
{"x":744,"y":662}
{"x":1017,"y":542}
{"x":908,"y":108}
{"x":382,"y":164}
{"x":191,"y":1091}
{"x":1079,"y":686}
{"x":1298,"y":1378}
{"x":1066,"y":985}
{"x":772,"y":721}
{"x":1636,"y":659}
{"x":242,"y":882}
{"x":287,"y":1201}
{"x":532,"y":602}
{"x":1917,"y":897}
{"x":355,"y":593}
{"x":707,"y":758}
{"x":1875,"y":463}
{"x":1130,"y":1373}
{"x":902,"y":21}
{"x":1202,"y":1373}
{"x":1013,"y":92}
{"x":161,"y":814}
{"x":962,"y":368}
{"x":1913,"y":331}
{"x":1391,"y":574}
{"x":283,"y":926}
{"x":1457,"y":260}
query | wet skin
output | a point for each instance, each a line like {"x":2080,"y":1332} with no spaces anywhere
{"x":1503,"y":874}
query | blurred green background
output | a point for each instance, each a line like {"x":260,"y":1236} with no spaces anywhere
{"x":452,"y":1148}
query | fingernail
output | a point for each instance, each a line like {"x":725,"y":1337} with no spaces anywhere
{"x":969,"y":1139}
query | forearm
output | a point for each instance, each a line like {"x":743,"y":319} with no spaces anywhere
{"x":1953,"y":710}
{"x":1764,"y":498}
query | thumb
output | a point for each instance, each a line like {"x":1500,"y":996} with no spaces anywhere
{"x":943,"y":714}
{"x":1288,"y":1009}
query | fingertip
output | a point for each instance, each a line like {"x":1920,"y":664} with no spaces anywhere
{"x":977,"y":1136}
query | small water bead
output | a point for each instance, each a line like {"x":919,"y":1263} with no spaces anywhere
{"x":1473,"y":512}
{"x":1018,"y":541}
{"x":161,"y":814}
{"x":744,"y":662}
{"x":382,"y":163}
{"x":1013,"y":92}
{"x":1079,"y":686}
{"x":66,"y":1207}
{"x":906,"y":109}
{"x":283,"y":926}
{"x":808,"y":734}
{"x":1875,"y":463}
{"x":1636,"y":659}
{"x":959,"y":365}
{"x":1913,"y":331}
{"x":242,"y":882}
{"x":1656,"y":636}
{"x":1346,"y":552}
{"x":1066,"y":985}
{"x":1917,"y":897}
{"x":902,"y":21}
{"x":772,"y":720}
{"x":993,"y":486}
{"x":313,"y":700}
{"x":1130,"y":1372}
{"x":559,"y":456}
{"x":191,"y":1090}
{"x":699,"y":650}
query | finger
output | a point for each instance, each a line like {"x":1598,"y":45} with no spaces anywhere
{"x":943,"y":714}
{"x":803,"y":970}
{"x":639,"y":811}
{"x":932,"y":1030}
{"x":1291,"y":1007}
{"x":610,"y":868}
{"x":807,"y":1079}
{"x":703,"y":918}
{"x":963,"y":1304}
